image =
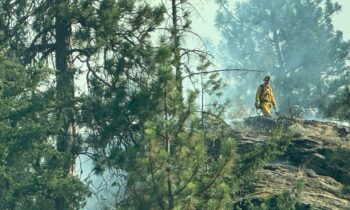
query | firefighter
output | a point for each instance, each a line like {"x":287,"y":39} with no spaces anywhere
{"x":264,"y":97}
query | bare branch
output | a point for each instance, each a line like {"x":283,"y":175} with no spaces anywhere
{"x":221,"y":70}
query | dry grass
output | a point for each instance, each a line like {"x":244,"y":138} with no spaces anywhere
{"x":320,"y":131}
{"x":298,"y":130}
{"x":323,"y":191}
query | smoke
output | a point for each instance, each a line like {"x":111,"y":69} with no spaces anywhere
{"x":104,"y":187}
{"x":306,"y":54}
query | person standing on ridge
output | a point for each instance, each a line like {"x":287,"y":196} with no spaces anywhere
{"x":264,"y":97}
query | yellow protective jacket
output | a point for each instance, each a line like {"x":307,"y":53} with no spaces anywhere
{"x":264,"y":95}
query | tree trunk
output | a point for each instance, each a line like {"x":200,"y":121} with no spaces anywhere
{"x":170,"y":192}
{"x":277,"y":46}
{"x":176,"y":46}
{"x":64,"y":91}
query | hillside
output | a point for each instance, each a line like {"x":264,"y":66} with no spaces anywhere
{"x":317,"y":160}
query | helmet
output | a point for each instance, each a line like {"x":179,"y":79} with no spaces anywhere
{"x":267,"y":78}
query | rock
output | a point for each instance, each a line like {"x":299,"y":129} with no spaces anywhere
{"x":343,"y":131}
{"x":311,"y":173}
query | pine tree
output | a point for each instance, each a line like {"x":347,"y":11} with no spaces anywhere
{"x":84,"y":31}
{"x":29,"y":176}
{"x":69,"y":31}
{"x":144,"y":121}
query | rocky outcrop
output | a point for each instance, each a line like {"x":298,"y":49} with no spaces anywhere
{"x":318,"y":156}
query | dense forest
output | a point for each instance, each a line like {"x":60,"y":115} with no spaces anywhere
{"x":114,"y":82}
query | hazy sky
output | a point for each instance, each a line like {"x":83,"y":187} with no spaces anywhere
{"x":205,"y":23}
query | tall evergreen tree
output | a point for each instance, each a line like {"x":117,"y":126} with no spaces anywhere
{"x":84,"y":31}
{"x":29,"y":174}
{"x":159,"y":174}
{"x":34,"y":31}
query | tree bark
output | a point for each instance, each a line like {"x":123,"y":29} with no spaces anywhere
{"x":64,"y":91}
{"x":176,"y":46}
